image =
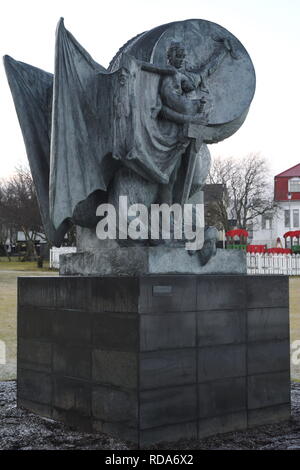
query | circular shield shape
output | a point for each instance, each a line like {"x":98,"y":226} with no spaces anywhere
{"x":213,"y":53}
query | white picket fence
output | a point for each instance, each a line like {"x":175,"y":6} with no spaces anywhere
{"x":56,"y":252}
{"x":257,"y":263}
{"x":264,"y":263}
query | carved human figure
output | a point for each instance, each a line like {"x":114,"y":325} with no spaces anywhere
{"x":179,"y":90}
{"x":176,"y":89}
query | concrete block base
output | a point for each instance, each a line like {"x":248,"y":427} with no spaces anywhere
{"x":141,"y":260}
{"x":155,"y":358}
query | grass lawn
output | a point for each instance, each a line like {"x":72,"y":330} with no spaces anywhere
{"x":295,"y":320}
{"x":9,"y":272}
{"x":15,"y":265}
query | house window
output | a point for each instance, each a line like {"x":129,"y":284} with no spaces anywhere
{"x":287,"y":218}
{"x":296,"y":218}
{"x":250,"y":231}
{"x":294,"y":185}
{"x":266,"y":222}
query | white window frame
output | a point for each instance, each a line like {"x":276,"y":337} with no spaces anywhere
{"x":296,"y":218}
{"x":297,"y":181}
{"x":287,"y":219}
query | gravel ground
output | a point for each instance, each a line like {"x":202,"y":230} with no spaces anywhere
{"x":21,"y":430}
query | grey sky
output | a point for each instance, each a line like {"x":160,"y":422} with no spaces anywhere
{"x":269,"y":29}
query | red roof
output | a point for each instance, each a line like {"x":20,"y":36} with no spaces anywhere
{"x":294,"y":171}
{"x":294,"y":233}
{"x":239,"y":232}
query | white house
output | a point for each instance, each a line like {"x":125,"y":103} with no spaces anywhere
{"x":287,"y":217}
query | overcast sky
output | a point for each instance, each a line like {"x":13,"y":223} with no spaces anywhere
{"x":269,"y":29}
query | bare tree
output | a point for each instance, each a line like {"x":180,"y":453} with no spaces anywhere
{"x":19,"y":209}
{"x":249,"y":191}
{"x":4,"y":229}
{"x":215,"y":198}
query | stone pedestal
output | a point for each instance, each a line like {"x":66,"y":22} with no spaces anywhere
{"x":107,"y":258}
{"x":136,"y":261}
{"x":155,"y":358}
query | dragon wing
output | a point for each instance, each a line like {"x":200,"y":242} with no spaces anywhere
{"x":66,"y":123}
{"x":31,"y":89}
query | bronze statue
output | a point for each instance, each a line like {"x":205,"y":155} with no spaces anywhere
{"x":139,"y":128}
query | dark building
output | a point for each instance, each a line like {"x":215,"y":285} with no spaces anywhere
{"x":214,"y":195}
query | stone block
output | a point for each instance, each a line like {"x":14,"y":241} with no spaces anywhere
{"x":35,"y":355}
{"x":270,"y":356}
{"x":72,"y":361}
{"x":111,"y":405}
{"x":220,"y":362}
{"x":35,"y":323}
{"x":222,"y":424}
{"x":167,"y":331}
{"x":222,"y":397}
{"x":269,"y":415}
{"x":37,"y":292}
{"x":72,"y":395}
{"x":167,"y":368}
{"x":163,"y":260}
{"x":71,"y":292}
{"x":34,"y":386}
{"x":168,"y":433}
{"x":73,"y":418}
{"x":72,"y":326}
{"x":267,"y":291}
{"x":211,"y":296}
{"x":172,"y":405}
{"x":117,"y":429}
{"x":268,"y":389}
{"x":113,"y":294}
{"x":115,"y":368}
{"x":115,"y":331}
{"x":264,"y":324}
{"x":221,"y":327}
{"x":107,"y":258}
